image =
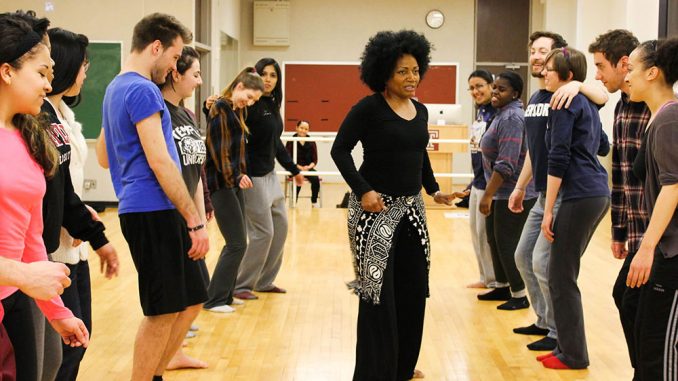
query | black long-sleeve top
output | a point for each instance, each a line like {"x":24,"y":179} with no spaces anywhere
{"x":61,"y":206}
{"x":264,"y":144}
{"x":306,"y":153}
{"x":395,"y":161}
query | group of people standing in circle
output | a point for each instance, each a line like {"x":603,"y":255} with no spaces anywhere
{"x":562,"y":191}
{"x":538,"y":194}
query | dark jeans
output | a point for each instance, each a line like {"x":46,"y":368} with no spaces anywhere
{"x":78,"y":298}
{"x":21,"y":329}
{"x":389,"y":334}
{"x":626,"y":299}
{"x":573,"y":228}
{"x":315,"y":187}
{"x":229,"y":210}
{"x":503,"y":234}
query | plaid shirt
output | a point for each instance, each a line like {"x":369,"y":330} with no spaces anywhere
{"x":629,"y":216}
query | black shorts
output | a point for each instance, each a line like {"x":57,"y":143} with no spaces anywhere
{"x":169,"y":281}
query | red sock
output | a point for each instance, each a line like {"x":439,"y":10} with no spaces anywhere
{"x":544,"y":357}
{"x":554,"y":363}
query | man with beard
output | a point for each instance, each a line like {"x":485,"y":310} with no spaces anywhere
{"x":532,"y":253}
{"x":611,"y":53}
{"x":158,"y":218}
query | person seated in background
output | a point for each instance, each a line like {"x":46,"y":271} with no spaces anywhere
{"x":307,"y":160}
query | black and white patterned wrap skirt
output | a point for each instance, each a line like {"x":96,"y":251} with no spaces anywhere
{"x":372,"y":235}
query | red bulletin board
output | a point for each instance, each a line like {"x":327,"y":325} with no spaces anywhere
{"x":323,"y":93}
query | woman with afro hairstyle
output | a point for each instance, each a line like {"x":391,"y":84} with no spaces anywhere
{"x":386,"y":217}
{"x":652,"y":71}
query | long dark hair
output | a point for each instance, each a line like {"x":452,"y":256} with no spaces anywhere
{"x":277,"y":92}
{"x":13,"y":33}
{"x":69,"y":52}
{"x":250,"y":80}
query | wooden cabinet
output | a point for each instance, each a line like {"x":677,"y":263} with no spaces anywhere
{"x":442,"y":154}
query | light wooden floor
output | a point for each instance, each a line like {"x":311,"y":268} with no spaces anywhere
{"x":309,"y":333}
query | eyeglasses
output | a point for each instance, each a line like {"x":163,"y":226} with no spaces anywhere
{"x":476,"y":87}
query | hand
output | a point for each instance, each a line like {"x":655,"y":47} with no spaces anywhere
{"x":95,"y":215}
{"x":210,"y":101}
{"x":443,"y":198}
{"x":209,"y":216}
{"x":641,"y":266}
{"x":299,"y":179}
{"x":461,"y":194}
{"x":245,"y":183}
{"x":547,"y":226}
{"x":108,"y":260}
{"x":619,"y":250}
{"x":76,"y":242}
{"x":44,"y":280}
{"x":200,"y":244}
{"x":485,"y":205}
{"x":372,"y":202}
{"x":72,"y":331}
{"x":564,"y":95}
{"x":515,"y":203}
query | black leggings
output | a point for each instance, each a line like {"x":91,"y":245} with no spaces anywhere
{"x":389,"y":334}
{"x":20,"y":324}
{"x":503,"y":234}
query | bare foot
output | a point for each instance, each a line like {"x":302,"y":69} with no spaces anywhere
{"x":477,"y":284}
{"x":417,"y":374}
{"x":182,"y":361}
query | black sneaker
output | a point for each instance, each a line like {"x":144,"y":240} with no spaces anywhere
{"x":544,"y":344}
{"x":500,"y":293}
{"x":531,"y":330}
{"x":515,"y":304}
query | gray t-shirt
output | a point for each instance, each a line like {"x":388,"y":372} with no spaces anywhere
{"x":191,"y":148}
{"x":661,"y":163}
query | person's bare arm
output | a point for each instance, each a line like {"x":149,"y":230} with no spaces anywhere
{"x":42,"y":280}
{"x":170,"y":180}
{"x":564,"y":95}
{"x":102,"y":154}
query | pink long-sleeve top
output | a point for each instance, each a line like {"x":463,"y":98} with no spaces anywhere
{"x":22,"y":187}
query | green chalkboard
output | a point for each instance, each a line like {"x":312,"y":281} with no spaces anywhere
{"x":105,"y":61}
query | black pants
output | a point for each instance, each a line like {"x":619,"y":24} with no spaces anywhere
{"x":78,"y":298}
{"x":20,"y":326}
{"x":503,"y":234}
{"x":573,"y":228}
{"x":315,"y":187}
{"x":389,"y":334}
{"x":229,"y":210}
{"x":657,"y":323}
{"x":626,"y":299}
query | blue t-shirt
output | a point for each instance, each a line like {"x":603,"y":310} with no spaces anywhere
{"x":536,"y":116}
{"x":129,"y":99}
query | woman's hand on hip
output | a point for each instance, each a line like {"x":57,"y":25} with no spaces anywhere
{"x":372,"y":202}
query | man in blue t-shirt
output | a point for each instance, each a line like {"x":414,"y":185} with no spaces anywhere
{"x":532,"y":253}
{"x":158,"y":217}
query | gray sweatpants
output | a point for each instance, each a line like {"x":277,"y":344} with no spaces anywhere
{"x":573,"y":228}
{"x":266,"y":231}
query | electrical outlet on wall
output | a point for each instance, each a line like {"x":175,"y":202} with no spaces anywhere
{"x":90,"y":184}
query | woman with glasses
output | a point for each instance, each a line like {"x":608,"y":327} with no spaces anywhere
{"x":574,"y":138}
{"x":480,"y":89}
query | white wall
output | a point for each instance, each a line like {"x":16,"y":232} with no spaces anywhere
{"x":339,"y":30}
